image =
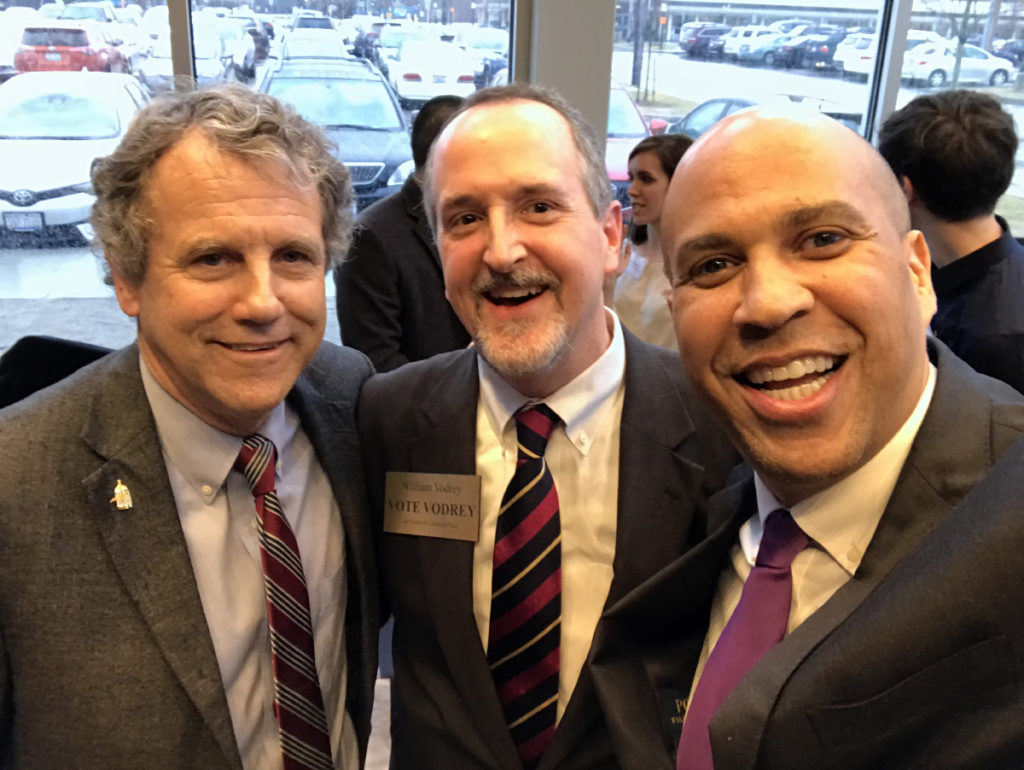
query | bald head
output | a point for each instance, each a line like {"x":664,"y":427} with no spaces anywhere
{"x":766,"y":142}
{"x":800,"y":297}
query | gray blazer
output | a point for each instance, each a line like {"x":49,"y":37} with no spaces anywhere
{"x":106,"y":660}
{"x":422,"y":418}
{"x":916,"y":661}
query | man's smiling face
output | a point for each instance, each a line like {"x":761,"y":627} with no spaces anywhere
{"x":524,"y":257}
{"x":800,"y":298}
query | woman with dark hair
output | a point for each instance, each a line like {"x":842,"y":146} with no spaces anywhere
{"x":641,"y":290}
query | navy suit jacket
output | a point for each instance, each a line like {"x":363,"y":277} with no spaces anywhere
{"x":422,"y":418}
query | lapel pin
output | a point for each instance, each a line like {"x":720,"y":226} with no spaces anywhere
{"x":122,"y":496}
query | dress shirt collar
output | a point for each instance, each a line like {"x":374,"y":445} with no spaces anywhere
{"x":582,"y":403}
{"x":203,"y":454}
{"x":843,"y":518}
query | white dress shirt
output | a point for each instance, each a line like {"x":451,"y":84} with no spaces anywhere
{"x":840,"y":521}
{"x":218,"y":519}
{"x":583,"y":456}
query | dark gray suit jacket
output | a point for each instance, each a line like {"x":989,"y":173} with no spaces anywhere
{"x":915,"y":662}
{"x":422,"y":418}
{"x":390,"y":289}
{"x":106,"y":660}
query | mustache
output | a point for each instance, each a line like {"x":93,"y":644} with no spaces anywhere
{"x":518,"y":279}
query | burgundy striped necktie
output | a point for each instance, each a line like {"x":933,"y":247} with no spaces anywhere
{"x":298,"y":702}
{"x":526,"y":585}
{"x":757,"y":624}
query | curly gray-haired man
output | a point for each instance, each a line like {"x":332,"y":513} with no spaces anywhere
{"x":187,"y":568}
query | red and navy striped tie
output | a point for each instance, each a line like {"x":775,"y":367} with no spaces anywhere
{"x":526,"y":586}
{"x":298,"y":702}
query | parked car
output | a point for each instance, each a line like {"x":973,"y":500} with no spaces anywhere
{"x":857,"y":52}
{"x":68,"y":45}
{"x":1012,"y":50}
{"x":52,"y":126}
{"x":313,"y":44}
{"x":855,"y":55}
{"x":762,"y":49}
{"x":425,"y":69}
{"x":697,"y":43}
{"x":933,"y":65}
{"x":101,"y":12}
{"x":704,"y":115}
{"x":156,"y":72}
{"x":488,"y":48}
{"x":626,"y":127}
{"x":311,"y":21}
{"x":737,"y":37}
{"x":791,"y":26}
{"x":819,"y":48}
{"x":359,"y":111}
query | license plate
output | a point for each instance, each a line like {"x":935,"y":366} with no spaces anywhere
{"x":27,"y":222}
{"x":53,"y":57}
{"x":438,"y":78}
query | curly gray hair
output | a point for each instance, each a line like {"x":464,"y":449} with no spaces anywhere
{"x":245,"y":123}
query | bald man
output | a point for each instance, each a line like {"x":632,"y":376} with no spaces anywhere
{"x":867,"y":611}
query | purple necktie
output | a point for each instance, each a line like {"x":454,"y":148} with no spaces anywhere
{"x":758,"y":623}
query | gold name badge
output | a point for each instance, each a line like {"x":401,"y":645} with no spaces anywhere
{"x":445,"y":505}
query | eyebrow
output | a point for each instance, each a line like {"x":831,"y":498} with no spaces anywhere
{"x":800,"y":217}
{"x":543,"y":189}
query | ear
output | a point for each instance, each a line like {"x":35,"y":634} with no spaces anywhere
{"x":908,"y":189}
{"x":920,"y":264}
{"x":127,"y":293}
{"x":611,"y":226}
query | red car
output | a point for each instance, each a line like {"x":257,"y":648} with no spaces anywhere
{"x":62,"y":45}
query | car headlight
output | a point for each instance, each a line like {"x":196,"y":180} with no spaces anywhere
{"x":402,"y":173}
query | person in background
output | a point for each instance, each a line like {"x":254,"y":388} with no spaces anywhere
{"x":641,"y":291}
{"x":187,"y":575}
{"x":579,"y":464}
{"x":955,"y":153}
{"x":390,"y":290}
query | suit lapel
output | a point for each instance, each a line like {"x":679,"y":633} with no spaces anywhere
{"x":146,"y":544}
{"x":657,"y":485}
{"x":935,"y":477}
{"x":445,"y":442}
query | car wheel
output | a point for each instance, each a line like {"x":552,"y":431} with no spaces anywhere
{"x":769,"y":58}
{"x":999,"y":78}
{"x":806,"y":62}
{"x":937,"y":79}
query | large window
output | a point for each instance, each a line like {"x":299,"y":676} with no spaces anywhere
{"x":360,"y":68}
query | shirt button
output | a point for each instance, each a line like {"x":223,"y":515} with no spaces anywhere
{"x":207,"y":490}
{"x":854,"y":554}
{"x":584,"y":439}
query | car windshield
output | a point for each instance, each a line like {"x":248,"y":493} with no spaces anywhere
{"x":56,"y":116}
{"x":83,"y":12}
{"x":60,"y":37}
{"x":337,"y":102}
{"x":490,"y":39}
{"x":204,"y":46}
{"x":313,"y":22}
{"x":623,"y":118}
{"x":393,"y":37}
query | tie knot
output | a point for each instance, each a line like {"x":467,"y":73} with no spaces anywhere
{"x":534,"y":427}
{"x":781,"y":542}
{"x":256,"y":461}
